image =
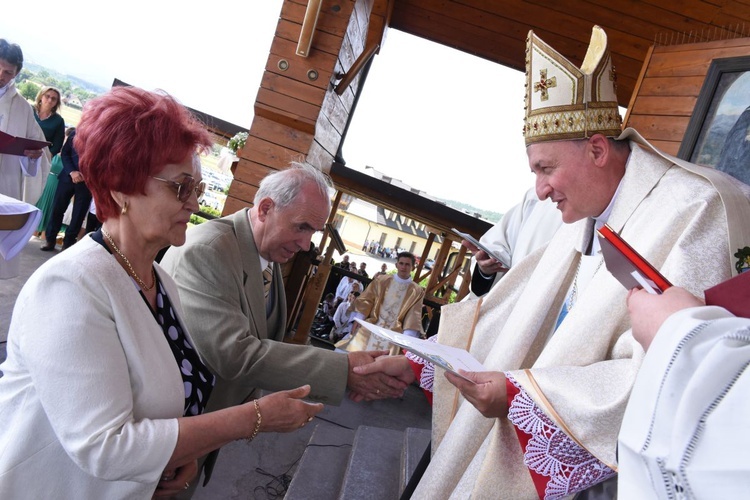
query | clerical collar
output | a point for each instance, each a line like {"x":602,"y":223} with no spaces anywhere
{"x":401,"y":280}
{"x":602,"y":219}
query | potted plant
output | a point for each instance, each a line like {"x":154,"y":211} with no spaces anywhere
{"x":237,"y":142}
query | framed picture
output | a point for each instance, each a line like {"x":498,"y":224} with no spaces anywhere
{"x":718,"y":134}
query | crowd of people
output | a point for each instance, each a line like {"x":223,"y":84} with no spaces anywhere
{"x":164,"y":363}
{"x":375,"y":248}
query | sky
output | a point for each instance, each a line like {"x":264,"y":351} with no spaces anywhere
{"x":440,"y":120}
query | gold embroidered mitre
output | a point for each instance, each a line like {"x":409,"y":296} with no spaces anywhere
{"x":564,"y":102}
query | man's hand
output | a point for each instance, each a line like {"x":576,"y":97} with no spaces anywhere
{"x":76,"y":176}
{"x":487,"y":393}
{"x":488,"y":265}
{"x":648,"y":311}
{"x":395,"y":366}
{"x":32,"y":154}
{"x":372,"y":385}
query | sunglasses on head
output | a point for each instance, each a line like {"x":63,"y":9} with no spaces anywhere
{"x":185,"y":187}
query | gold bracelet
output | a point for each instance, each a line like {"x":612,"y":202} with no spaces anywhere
{"x":257,"y":422}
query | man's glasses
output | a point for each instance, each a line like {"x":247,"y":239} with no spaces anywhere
{"x":185,"y":187}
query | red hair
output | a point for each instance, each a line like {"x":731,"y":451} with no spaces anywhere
{"x":129,"y":134}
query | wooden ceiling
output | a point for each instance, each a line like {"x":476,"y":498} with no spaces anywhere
{"x":496,"y":30}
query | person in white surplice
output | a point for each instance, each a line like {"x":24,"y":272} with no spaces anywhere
{"x":684,"y":434}
{"x":524,"y":228}
{"x":21,"y":177}
{"x":554,"y":333}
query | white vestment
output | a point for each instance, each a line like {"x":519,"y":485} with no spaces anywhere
{"x":525,"y":227}
{"x":684,"y":434}
{"x":21,"y":178}
{"x":580,"y":380}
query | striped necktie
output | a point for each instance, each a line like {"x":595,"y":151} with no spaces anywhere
{"x":267,"y":279}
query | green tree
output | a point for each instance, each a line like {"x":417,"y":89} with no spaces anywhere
{"x":24,"y":75}
{"x":28,"y":90}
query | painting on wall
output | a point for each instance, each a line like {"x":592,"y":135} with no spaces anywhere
{"x":718,"y":134}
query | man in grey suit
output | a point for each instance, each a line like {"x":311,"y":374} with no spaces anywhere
{"x":236,"y":328}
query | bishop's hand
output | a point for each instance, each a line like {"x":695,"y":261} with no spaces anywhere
{"x":487,"y":392}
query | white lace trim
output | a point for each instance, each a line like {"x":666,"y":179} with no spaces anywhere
{"x":427,"y":377}
{"x":551,"y":452}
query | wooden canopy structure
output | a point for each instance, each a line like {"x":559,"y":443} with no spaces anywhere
{"x":320,"y":56}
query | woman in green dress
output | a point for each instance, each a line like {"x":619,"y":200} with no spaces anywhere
{"x":46,"y":106}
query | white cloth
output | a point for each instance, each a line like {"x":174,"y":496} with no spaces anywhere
{"x":13,"y":241}
{"x":684,"y":433}
{"x":21,"y":178}
{"x":345,"y":287}
{"x":91,"y":390}
{"x":342,"y":319}
{"x":524,"y":228}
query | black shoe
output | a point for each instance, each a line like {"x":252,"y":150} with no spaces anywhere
{"x":48,"y":247}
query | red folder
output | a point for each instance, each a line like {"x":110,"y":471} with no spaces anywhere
{"x":732,"y":294}
{"x":625,"y":264}
{"x":12,"y":145}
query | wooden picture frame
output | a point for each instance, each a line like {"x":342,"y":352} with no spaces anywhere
{"x":717,"y":134}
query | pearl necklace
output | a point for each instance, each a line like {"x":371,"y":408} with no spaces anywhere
{"x":130,"y":270}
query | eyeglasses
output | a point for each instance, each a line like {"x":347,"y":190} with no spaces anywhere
{"x":185,"y":187}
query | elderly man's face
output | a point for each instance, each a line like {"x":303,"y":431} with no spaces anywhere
{"x":284,"y":232}
{"x":8,"y":72}
{"x":565,"y":174}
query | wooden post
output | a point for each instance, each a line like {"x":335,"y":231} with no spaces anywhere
{"x":313,"y":293}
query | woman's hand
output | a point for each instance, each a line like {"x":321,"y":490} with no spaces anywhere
{"x":284,"y":411}
{"x":487,"y":393}
{"x":174,"y":481}
{"x":648,"y":311}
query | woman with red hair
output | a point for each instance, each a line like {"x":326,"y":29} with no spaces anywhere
{"x":102,"y":393}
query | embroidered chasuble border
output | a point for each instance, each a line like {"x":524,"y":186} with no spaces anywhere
{"x":550,"y":410}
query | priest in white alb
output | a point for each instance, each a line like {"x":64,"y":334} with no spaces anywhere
{"x":391,"y":301}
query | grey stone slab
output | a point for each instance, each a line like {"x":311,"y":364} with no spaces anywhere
{"x":322,"y":467}
{"x":415,"y":444}
{"x":374,"y":467}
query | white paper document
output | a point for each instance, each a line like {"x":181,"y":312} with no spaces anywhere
{"x":500,"y":256}
{"x":447,"y":357}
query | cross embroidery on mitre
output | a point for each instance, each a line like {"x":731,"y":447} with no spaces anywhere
{"x":544,"y":83}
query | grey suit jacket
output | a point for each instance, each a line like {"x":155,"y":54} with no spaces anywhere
{"x":220,"y":283}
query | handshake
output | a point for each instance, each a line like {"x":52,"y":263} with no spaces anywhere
{"x":375,"y":375}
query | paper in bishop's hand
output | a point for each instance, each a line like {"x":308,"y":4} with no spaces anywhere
{"x":449,"y":358}
{"x":500,"y":256}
